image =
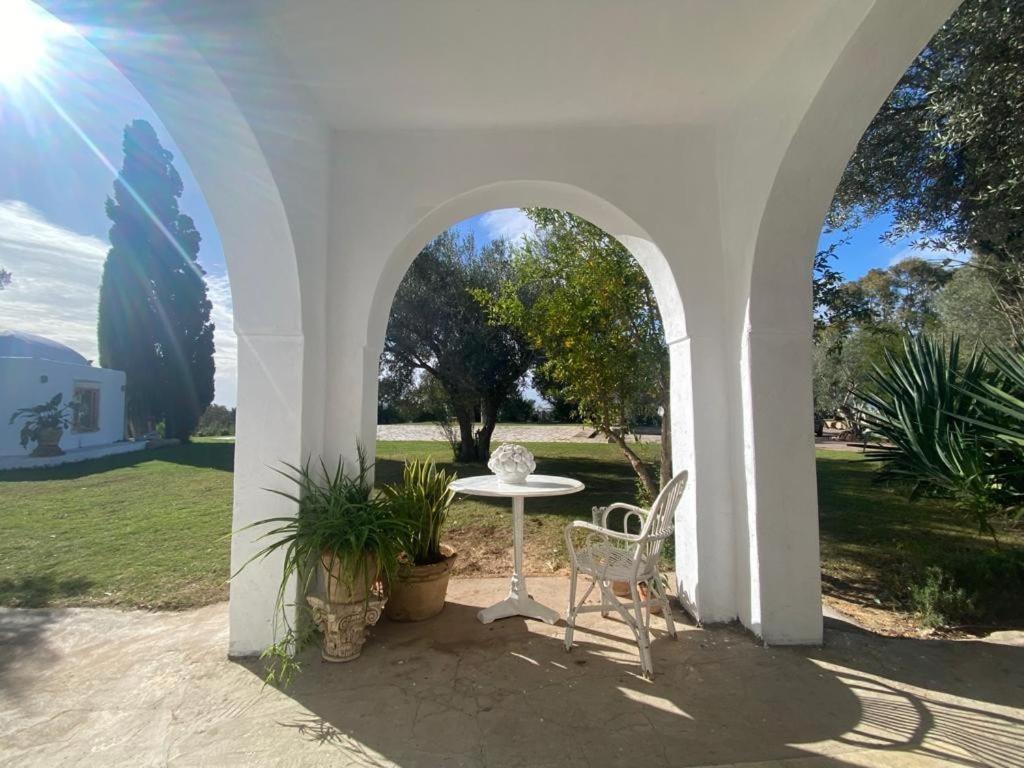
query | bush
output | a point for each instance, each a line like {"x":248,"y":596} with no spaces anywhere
{"x":939,"y":601}
{"x":968,"y":586}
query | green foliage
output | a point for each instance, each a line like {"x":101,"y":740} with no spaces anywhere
{"x":422,"y":500}
{"x":939,"y":602}
{"x":216,"y":421}
{"x":921,"y":411}
{"x":439,"y":327}
{"x":1002,"y":399}
{"x":340,"y":525}
{"x":588,"y":307}
{"x":44,"y":417}
{"x":843,"y":367}
{"x":944,"y":155}
{"x":968,"y":306}
{"x":517,"y":409}
{"x":154,"y":314}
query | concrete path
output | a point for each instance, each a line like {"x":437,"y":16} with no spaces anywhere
{"x":104,"y":688}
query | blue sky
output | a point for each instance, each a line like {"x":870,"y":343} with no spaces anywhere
{"x":60,"y":145}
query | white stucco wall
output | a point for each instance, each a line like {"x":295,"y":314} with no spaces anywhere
{"x":22,"y":386}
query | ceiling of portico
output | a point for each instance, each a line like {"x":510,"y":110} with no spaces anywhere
{"x":387,"y":64}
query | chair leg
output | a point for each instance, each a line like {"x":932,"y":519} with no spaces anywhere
{"x":643,"y":637}
{"x":666,"y":608}
{"x":570,"y":615}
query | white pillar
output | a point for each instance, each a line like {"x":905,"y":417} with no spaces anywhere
{"x":781,"y":521}
{"x":268,"y":431}
{"x":700,"y":443}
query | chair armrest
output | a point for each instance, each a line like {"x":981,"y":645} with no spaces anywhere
{"x":600,"y":514}
{"x":601,"y":531}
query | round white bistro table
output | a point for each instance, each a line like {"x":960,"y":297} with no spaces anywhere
{"x":518,"y":602}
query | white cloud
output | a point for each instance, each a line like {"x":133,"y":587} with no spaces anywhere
{"x":55,"y":289}
{"x":507,"y":223}
{"x":224,"y":339}
{"x":56,"y":278}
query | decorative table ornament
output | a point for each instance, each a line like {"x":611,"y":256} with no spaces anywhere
{"x":512,"y":463}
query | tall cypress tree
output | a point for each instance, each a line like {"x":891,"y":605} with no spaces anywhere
{"x":154,"y":315}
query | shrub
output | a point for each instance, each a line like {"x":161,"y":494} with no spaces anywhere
{"x":939,"y":601}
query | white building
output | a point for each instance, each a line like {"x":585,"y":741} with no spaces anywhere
{"x":32,"y":370}
{"x":334,"y":138}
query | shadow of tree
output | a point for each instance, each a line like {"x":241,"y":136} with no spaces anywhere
{"x":38,"y":591}
{"x":211,"y":455}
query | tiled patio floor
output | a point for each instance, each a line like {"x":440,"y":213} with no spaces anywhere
{"x":101,"y":687}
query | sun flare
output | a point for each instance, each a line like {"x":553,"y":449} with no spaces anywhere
{"x":23,"y":37}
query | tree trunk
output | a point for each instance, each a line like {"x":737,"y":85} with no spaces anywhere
{"x":483,"y":437}
{"x":666,"y":442}
{"x":639,"y":467}
{"x":467,"y":445}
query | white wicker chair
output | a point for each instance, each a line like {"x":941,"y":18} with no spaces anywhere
{"x":606,"y":556}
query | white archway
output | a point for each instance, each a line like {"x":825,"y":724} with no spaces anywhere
{"x":775,"y":340}
{"x":694,"y":590}
{"x":227,"y":160}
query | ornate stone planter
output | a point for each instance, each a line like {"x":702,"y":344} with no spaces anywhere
{"x":344,"y":625}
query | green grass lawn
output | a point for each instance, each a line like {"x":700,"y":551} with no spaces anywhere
{"x":140,"y":529}
{"x":151,"y":529}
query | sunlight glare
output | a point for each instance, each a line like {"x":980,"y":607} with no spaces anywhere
{"x":23,"y":33}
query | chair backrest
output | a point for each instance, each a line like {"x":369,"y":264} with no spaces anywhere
{"x":662,"y":519}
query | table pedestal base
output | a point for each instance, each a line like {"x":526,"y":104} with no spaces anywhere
{"x":518,"y":605}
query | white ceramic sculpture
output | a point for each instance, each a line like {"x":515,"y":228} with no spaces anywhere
{"x":512,"y":463}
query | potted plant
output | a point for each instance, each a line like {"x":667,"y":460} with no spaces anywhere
{"x":45,"y":424}
{"x":342,"y":542}
{"x":423,"y":499}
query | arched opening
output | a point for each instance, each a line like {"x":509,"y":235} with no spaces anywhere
{"x":642,"y":248}
{"x":225,"y":160}
{"x":776,"y":339}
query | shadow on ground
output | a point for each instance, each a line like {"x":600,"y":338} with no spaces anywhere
{"x":460,"y":693}
{"x":212,"y":455}
{"x":39,"y":591}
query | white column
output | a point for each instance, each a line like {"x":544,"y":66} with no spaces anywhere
{"x":268,"y":431}
{"x":781,"y":488}
{"x":701,"y":436}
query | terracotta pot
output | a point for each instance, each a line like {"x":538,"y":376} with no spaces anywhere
{"x":48,"y":442}
{"x":418,"y":591}
{"x":621,"y":589}
{"x":336,"y":585}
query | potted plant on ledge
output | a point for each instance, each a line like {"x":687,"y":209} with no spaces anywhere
{"x":343,"y":541}
{"x":422,"y":500}
{"x":45,"y":424}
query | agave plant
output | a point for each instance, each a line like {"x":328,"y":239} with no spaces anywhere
{"x":1001,"y":402}
{"x":422,"y":500}
{"x":920,"y":412}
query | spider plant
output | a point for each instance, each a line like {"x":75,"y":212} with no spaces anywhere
{"x":422,"y":499}
{"x":341,"y":527}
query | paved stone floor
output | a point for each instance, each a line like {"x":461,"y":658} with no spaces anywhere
{"x":108,"y":688}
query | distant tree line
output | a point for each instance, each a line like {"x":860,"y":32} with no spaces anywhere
{"x":216,"y":421}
